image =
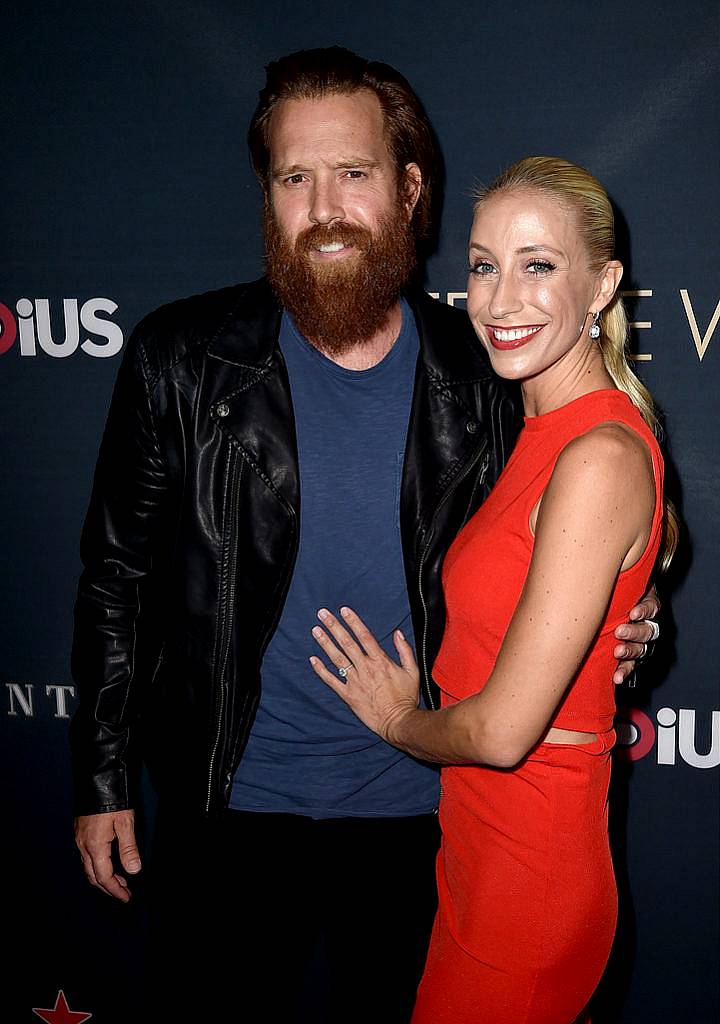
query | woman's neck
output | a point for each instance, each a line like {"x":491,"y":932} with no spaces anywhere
{"x":564,"y":382}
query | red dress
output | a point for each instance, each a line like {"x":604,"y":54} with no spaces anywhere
{"x":527,"y":897}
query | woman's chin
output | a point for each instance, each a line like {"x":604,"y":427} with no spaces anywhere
{"x":509,"y":366}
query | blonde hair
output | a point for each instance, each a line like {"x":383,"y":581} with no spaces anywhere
{"x":577,"y":189}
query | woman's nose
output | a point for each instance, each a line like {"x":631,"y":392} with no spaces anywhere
{"x":505,"y":298}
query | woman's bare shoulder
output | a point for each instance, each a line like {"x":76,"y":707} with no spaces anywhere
{"x":610,"y":451}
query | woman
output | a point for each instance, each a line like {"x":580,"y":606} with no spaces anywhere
{"x":570,"y":534}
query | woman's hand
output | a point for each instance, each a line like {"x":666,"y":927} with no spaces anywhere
{"x":380,"y":692}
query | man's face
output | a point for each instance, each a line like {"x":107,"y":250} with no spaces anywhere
{"x":337,"y":222}
{"x":330,"y":165}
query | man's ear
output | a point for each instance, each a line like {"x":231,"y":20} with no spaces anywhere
{"x":412,"y":183}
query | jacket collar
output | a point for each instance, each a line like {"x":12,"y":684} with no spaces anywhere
{"x":248,"y":335}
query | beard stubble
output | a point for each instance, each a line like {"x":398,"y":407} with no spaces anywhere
{"x":339,"y":305}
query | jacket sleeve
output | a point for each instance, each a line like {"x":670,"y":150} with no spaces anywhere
{"x":112,"y":663}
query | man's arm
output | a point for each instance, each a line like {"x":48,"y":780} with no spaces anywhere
{"x":110,"y":654}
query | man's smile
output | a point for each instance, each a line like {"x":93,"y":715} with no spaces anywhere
{"x":333,"y":250}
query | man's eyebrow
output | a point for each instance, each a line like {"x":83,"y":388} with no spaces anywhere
{"x":281,"y":172}
{"x":347,"y":163}
{"x":356,"y":162}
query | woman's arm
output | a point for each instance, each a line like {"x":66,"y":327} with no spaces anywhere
{"x":594,"y":520}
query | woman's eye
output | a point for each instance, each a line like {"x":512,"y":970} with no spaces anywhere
{"x":540,"y":267}
{"x":482,"y":268}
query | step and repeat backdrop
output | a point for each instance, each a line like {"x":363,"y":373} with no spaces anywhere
{"x":126,"y":184}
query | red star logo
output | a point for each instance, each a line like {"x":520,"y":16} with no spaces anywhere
{"x":61,"y":1012}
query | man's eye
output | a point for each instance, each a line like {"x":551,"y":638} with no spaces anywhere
{"x":355,"y":174}
{"x":294,"y":179}
{"x":540,"y":267}
{"x":482,"y":268}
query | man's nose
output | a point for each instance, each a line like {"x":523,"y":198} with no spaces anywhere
{"x":325,"y":205}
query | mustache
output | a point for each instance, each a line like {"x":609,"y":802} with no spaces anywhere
{"x":327,"y":234}
{"x":337,"y":305}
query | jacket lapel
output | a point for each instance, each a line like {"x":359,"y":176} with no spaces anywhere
{"x":251,"y":401}
{"x":444,"y":433}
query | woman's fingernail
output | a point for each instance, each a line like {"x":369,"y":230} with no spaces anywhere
{"x":401,"y":634}
{"x":344,"y":611}
{"x":317,"y":632}
{"x":323,"y":613}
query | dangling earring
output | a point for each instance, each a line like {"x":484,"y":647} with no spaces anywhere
{"x":594,"y":328}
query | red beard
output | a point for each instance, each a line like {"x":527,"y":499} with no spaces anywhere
{"x":337,"y":306}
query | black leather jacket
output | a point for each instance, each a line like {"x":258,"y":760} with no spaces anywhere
{"x":192,"y":531}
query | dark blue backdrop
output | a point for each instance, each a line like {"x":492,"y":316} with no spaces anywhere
{"x":126,"y":183}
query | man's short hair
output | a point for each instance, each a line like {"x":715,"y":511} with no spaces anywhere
{"x":312,"y":74}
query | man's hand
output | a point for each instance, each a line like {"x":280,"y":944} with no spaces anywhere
{"x":635,"y":635}
{"x":94,"y":836}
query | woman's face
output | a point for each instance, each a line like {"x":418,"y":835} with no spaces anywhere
{"x":530,"y":290}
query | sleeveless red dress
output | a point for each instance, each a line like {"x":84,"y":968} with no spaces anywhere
{"x":527,"y":897}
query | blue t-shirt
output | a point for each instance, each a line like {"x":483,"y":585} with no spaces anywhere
{"x":308,"y":753}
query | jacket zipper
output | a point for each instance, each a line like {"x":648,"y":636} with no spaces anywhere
{"x":229,"y":559}
{"x":423,"y":650}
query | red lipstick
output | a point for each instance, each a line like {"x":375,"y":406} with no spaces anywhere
{"x":505,"y":338}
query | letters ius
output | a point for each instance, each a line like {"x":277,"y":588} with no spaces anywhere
{"x":34,"y":328}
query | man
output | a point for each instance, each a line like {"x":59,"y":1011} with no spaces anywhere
{"x":315,"y":438}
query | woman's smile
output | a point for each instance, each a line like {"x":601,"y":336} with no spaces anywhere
{"x":511,"y":337}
